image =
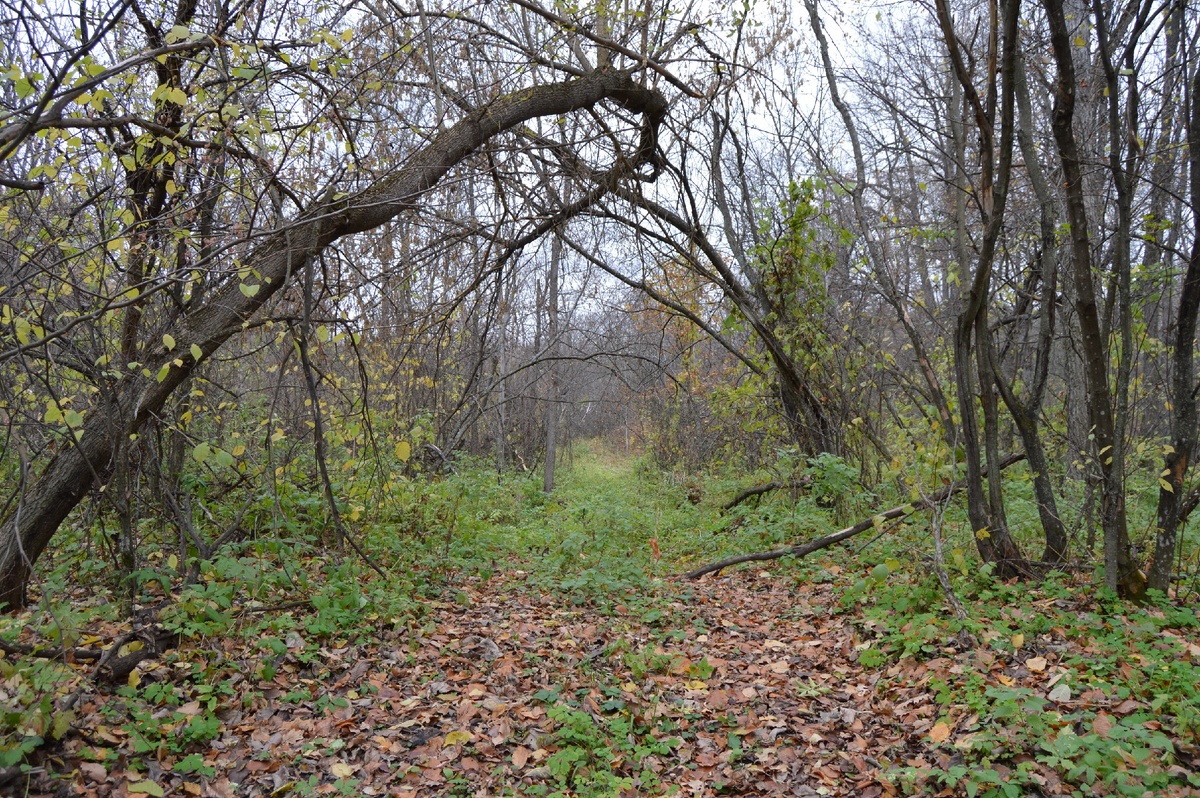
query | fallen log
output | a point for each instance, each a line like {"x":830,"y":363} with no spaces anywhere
{"x":804,"y":549}
{"x":758,"y":490}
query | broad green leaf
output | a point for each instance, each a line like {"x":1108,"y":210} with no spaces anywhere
{"x":168,"y":342}
{"x":248,"y":289}
{"x":201,"y":452}
{"x":197,"y":352}
{"x":145,"y":787}
{"x":403,"y":451}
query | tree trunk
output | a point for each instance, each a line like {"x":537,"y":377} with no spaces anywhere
{"x":282,"y":256}
{"x":552,"y":392}
{"x":1183,"y":380}
{"x":987,"y":517}
{"x":1120,"y":570}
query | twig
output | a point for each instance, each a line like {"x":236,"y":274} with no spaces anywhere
{"x":805,"y":549}
{"x":758,"y":490}
{"x":18,"y":650}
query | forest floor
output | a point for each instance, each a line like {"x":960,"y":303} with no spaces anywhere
{"x":519,"y":676}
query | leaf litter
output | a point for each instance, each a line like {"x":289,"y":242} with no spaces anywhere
{"x":747,"y":684}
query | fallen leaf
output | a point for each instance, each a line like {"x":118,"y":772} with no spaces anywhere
{"x":94,"y":771}
{"x":146,"y":788}
{"x":1103,"y":724}
{"x":341,"y":770}
{"x":718,"y":699}
{"x":1127,"y":707}
{"x":456,"y":737}
{"x":520,"y":756}
{"x":1036,"y":664}
{"x":939,"y":733}
{"x":1061,"y":693}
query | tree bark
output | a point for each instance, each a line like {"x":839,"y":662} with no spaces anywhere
{"x":1120,"y":571}
{"x":987,"y":517}
{"x":1183,"y":381}
{"x":552,"y":391}
{"x":43,"y":506}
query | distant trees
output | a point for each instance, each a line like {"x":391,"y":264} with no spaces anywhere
{"x":915,"y":244}
{"x":185,"y":141}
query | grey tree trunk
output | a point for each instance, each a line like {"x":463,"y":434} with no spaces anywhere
{"x":553,"y":390}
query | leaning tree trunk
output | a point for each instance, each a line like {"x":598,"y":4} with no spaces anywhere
{"x":282,"y":255}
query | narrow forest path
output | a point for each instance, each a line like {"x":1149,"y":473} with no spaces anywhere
{"x":746,"y":686}
{"x":545,"y":646}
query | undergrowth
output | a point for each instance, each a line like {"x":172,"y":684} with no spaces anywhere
{"x":610,"y":538}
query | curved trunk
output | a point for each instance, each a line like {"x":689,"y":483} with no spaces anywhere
{"x":283,"y":255}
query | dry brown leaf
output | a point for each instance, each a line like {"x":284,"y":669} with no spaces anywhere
{"x":94,"y":771}
{"x":1127,"y":707}
{"x":939,"y":733}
